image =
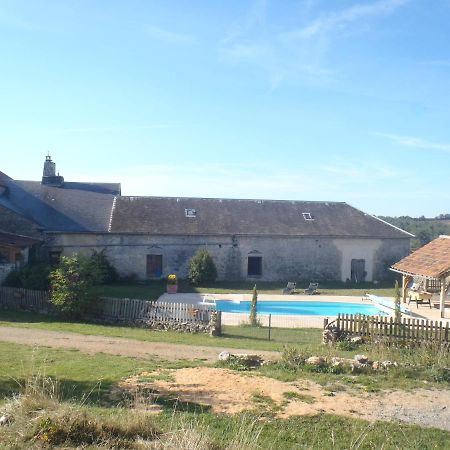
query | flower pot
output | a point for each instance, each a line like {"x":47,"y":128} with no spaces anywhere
{"x":172,"y":288}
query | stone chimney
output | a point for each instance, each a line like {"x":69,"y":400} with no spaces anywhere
{"x":49,"y":176}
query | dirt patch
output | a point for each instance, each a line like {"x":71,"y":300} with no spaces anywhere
{"x":116,"y":346}
{"x":229,"y":392}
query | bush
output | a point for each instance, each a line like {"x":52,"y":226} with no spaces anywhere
{"x":30,"y":276}
{"x":98,"y":269}
{"x":202,"y":268}
{"x":69,"y":287}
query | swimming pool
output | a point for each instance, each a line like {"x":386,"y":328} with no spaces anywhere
{"x":292,"y":308}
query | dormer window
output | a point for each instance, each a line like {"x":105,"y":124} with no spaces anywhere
{"x":189,"y":212}
{"x":307,"y":216}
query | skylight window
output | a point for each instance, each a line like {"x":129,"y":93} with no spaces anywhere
{"x":189,"y":212}
{"x":307,"y":216}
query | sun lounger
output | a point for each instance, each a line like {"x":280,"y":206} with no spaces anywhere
{"x":421,"y":298}
{"x":290,"y":287}
{"x":312,"y":288}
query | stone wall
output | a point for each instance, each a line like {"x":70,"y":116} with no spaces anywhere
{"x":283,"y":258}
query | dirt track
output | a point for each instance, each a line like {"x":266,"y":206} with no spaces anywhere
{"x":115,"y":346}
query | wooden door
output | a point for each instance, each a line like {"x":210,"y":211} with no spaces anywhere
{"x":358,"y":270}
{"x":154,"y":266}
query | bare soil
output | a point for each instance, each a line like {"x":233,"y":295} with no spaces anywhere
{"x":229,"y":392}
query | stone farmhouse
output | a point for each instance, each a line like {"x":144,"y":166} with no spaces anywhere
{"x":150,"y":237}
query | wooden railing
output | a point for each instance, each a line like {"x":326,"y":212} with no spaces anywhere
{"x":387,"y":329}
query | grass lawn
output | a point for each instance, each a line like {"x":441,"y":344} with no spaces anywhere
{"x":151,"y":290}
{"x":232,"y":337}
{"x":87,"y":380}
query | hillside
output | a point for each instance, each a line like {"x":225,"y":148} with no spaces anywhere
{"x":424,"y":229}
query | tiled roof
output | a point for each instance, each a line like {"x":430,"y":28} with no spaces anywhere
{"x":14,"y":223}
{"x":71,"y":208}
{"x":431,"y":260}
{"x":167,"y":215}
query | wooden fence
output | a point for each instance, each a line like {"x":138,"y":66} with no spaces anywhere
{"x":17,"y":298}
{"x":132,"y":309}
{"x":387,"y":329}
{"x":111,"y":309}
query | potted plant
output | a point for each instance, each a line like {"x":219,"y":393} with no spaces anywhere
{"x":172,"y":284}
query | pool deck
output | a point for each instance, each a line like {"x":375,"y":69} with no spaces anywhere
{"x":422,"y":312}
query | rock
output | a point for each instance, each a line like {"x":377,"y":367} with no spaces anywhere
{"x":362,"y":359}
{"x":356,"y":340}
{"x":315,"y":361}
{"x":388,"y":364}
{"x":376,"y":365}
{"x":5,"y":420}
{"x":224,"y":356}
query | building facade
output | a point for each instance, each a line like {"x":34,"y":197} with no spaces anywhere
{"x":150,"y":237}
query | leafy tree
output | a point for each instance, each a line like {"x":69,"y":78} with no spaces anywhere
{"x":69,"y":287}
{"x":253,"y":308}
{"x":201,"y":268}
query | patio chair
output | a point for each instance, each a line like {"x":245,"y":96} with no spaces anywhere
{"x":290,"y":287}
{"x":312,"y":289}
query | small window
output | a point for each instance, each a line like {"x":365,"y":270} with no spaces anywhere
{"x":254,"y":267}
{"x":307,"y":216}
{"x":189,"y":212}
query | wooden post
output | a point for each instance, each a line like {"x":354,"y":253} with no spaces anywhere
{"x":405,"y":280}
{"x":442,"y":298}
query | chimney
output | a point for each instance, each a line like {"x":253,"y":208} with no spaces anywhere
{"x":49,"y":176}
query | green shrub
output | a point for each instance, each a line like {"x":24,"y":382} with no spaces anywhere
{"x":30,"y":276}
{"x":253,"y":308}
{"x":98,"y":269}
{"x":69,"y":288}
{"x":202,"y":268}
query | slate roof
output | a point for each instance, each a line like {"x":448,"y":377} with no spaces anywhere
{"x":75,"y":207}
{"x":431,"y":261}
{"x":166,"y":215}
{"x":13,"y":223}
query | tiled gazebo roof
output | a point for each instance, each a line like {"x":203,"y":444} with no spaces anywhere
{"x":430,"y":261}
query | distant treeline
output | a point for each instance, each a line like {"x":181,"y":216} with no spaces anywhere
{"x":423,"y":228}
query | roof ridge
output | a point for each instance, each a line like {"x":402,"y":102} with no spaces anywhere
{"x":230,"y":199}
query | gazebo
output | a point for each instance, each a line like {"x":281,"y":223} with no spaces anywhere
{"x":431,"y":265}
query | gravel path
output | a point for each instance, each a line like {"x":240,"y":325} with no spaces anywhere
{"x":116,"y":346}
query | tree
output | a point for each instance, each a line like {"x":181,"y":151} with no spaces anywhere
{"x":253,"y":308}
{"x":202,"y":268}
{"x":69,"y":287}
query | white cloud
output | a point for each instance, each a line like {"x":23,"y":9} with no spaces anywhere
{"x":168,"y":36}
{"x":299,"y":53}
{"x":339,"y":20}
{"x":415,"y":142}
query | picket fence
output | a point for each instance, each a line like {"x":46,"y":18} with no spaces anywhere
{"x":386,"y":328}
{"x":17,"y":298}
{"x":111,"y":309}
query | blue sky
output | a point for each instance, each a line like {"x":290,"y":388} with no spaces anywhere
{"x":309,"y":100}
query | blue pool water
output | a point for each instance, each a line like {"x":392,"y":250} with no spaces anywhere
{"x":299,"y":308}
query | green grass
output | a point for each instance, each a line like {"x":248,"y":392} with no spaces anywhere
{"x":233,"y":336}
{"x":80,"y":375}
{"x":87,"y":380}
{"x":151,"y":290}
